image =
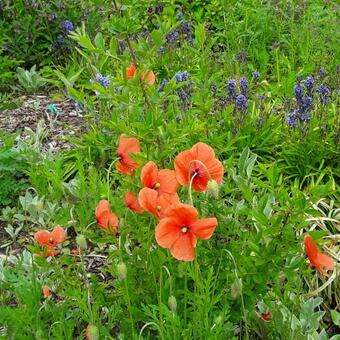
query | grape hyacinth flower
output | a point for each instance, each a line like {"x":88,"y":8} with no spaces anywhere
{"x":242,"y":56}
{"x":231,"y":88}
{"x":68,"y":26}
{"x":172,"y":38}
{"x":244,"y":86}
{"x":322,"y":73}
{"x":309,"y":83}
{"x":307,"y":104}
{"x":256,"y":77}
{"x":241,"y":103}
{"x":183,"y":92}
{"x":161,"y":87}
{"x":323,"y":91}
{"x":298,"y":92}
{"x":291,"y":119}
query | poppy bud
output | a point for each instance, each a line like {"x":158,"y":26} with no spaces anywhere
{"x":81,"y":242}
{"x":213,"y":188}
{"x":236,"y":288}
{"x":172,"y":303}
{"x":121,"y":271}
{"x":92,"y":332}
{"x":46,"y":291}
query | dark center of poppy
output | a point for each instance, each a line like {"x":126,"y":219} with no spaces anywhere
{"x":184,"y":229}
{"x":51,"y":240}
{"x":120,"y":156}
{"x":196,"y":172}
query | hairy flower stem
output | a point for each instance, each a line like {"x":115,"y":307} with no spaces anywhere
{"x":108,"y":177}
{"x":87,"y":285}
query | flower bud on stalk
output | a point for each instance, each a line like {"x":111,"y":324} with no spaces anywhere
{"x":81,"y":242}
{"x":122,"y":271}
{"x":213,"y":188}
{"x":172,"y":303}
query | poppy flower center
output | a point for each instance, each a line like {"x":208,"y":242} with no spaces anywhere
{"x":51,"y":240}
{"x":157,"y":185}
{"x":158,"y":208}
{"x":184,"y":229}
{"x":196,"y":171}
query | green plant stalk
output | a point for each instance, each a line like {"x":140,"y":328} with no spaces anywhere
{"x":108,"y":177}
{"x":128,"y":302}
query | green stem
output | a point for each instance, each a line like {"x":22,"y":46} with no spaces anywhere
{"x":108,"y":177}
{"x":128,"y":302}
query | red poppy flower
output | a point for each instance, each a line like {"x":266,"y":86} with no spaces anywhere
{"x":149,"y":78}
{"x":50,"y":239}
{"x":163,"y":181}
{"x":46,"y":291}
{"x":316,"y":258}
{"x":126,"y":146}
{"x":180,"y":227}
{"x":105,"y":218}
{"x":154,"y":203}
{"x":130,"y":71}
{"x":132,"y":203}
{"x":266,"y":316}
{"x":185,"y":168}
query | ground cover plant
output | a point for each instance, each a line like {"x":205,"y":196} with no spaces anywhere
{"x":199,"y":200}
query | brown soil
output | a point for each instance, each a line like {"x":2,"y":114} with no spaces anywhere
{"x":32,"y":109}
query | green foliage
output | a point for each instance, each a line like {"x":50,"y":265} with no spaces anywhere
{"x":31,"y":81}
{"x":12,"y":166}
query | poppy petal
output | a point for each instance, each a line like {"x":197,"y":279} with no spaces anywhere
{"x":127,"y":145}
{"x":102,"y":206}
{"x":42,"y":237}
{"x":149,"y":174}
{"x":183,"y":247}
{"x":132,"y":203}
{"x":57,"y":235}
{"x":147,"y":199}
{"x":202,"y":152}
{"x":204,"y":228}
{"x":130,"y":71}
{"x":167,"y":232}
{"x":107,"y":220}
{"x":325,"y":261}
{"x":182,"y":214}
{"x":181,"y":163}
{"x":150,"y":78}
{"x":168,"y":182}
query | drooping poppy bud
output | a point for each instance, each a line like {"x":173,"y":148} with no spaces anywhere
{"x":213,"y":188}
{"x":236,"y":288}
{"x":122,"y":271}
{"x":81,"y":242}
{"x":172,"y":303}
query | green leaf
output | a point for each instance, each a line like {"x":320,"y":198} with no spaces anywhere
{"x":335,"y":317}
{"x":200,"y":35}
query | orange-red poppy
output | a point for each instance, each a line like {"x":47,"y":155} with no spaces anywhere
{"x":163,"y":181}
{"x":157,"y":204}
{"x":105,"y":218}
{"x":266,"y":316}
{"x":130,"y":71}
{"x":316,"y":258}
{"x":50,"y":239}
{"x":179,"y":229}
{"x":126,"y":146}
{"x":132,"y":203}
{"x":46,"y":291}
{"x":149,"y":78}
{"x":185,"y":168}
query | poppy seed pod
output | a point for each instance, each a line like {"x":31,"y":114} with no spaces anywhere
{"x":213,"y":188}
{"x":121,"y":271}
{"x":81,"y":242}
{"x":172,"y":303}
{"x":236,"y":288}
{"x":92,"y":332}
